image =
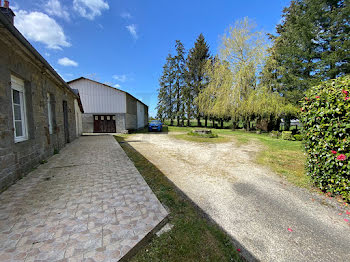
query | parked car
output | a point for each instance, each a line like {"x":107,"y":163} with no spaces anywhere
{"x":155,"y":125}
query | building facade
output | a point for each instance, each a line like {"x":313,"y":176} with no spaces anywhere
{"x":38,"y":110}
{"x":108,"y":109}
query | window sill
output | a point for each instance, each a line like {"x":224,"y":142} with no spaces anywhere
{"x":18,"y":140}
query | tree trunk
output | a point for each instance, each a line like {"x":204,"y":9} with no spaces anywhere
{"x":199,"y":121}
{"x":247,"y":124}
{"x":213,"y":122}
{"x":222,"y":123}
{"x":234,"y":125}
{"x":188,"y":122}
{"x":206,"y":121}
{"x":171,"y":122}
{"x":278,"y":124}
{"x":178,"y":121}
{"x":287,"y":123}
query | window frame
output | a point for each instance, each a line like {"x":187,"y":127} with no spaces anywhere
{"x":17,"y":84}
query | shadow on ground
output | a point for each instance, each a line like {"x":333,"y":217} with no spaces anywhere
{"x":195,"y":236}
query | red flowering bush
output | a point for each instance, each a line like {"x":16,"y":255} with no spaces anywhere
{"x":326,"y":120}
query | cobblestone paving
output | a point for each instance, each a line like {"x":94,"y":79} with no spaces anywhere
{"x":88,"y":203}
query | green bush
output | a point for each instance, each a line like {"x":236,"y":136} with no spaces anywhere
{"x":275,"y":134}
{"x":298,"y":137}
{"x":287,"y":135}
{"x":326,"y":120}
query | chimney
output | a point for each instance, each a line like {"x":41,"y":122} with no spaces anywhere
{"x":6,"y":10}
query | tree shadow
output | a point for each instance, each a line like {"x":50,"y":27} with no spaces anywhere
{"x":177,"y":202}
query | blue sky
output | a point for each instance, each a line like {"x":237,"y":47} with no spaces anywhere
{"x":125,"y":43}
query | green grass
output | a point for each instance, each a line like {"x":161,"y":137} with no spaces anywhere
{"x":286,"y":158}
{"x":200,"y":139}
{"x":193,"y":238}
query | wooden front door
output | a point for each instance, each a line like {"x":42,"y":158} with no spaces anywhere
{"x":104,"y":124}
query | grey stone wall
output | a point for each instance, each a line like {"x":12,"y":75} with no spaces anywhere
{"x":120,"y":122}
{"x":131,"y":113}
{"x":88,"y":122}
{"x":17,"y":159}
{"x":130,"y":121}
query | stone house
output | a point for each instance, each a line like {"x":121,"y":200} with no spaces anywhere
{"x":108,"y":109}
{"x":39,"y":112}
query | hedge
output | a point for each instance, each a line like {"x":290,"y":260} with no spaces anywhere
{"x":326,"y":120}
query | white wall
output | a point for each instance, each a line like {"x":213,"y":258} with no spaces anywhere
{"x":98,"y":98}
{"x":78,"y":119}
{"x":140,"y":115}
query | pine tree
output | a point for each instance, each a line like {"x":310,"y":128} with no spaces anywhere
{"x":195,"y":76}
{"x":165,"y":105}
{"x":179,"y":64}
{"x":312,"y":44}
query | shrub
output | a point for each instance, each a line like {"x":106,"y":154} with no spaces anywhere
{"x":275,"y":134}
{"x":326,"y":120}
{"x":287,"y":135}
{"x":298,"y":137}
{"x":211,"y":135}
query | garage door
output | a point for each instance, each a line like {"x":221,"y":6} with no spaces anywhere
{"x":104,"y":124}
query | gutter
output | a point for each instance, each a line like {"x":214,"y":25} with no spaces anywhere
{"x":10,"y":27}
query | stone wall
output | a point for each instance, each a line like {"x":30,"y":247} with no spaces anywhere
{"x":131,"y":113}
{"x":88,"y":122}
{"x":120,"y":122}
{"x":17,"y":159}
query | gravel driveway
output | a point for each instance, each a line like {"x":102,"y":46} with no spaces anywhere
{"x":269,"y":218}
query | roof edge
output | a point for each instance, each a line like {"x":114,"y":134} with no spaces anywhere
{"x":84,"y":78}
{"x":14,"y":31}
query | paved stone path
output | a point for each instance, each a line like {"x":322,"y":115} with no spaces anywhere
{"x":88,"y":203}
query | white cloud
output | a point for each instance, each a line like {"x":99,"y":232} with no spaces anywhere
{"x":90,"y":8}
{"x":14,"y":6}
{"x":117,"y":86}
{"x":120,"y":78}
{"x":132,"y":30}
{"x":126,"y":15}
{"x":65,"y":61}
{"x":54,"y":8}
{"x":39,"y":27}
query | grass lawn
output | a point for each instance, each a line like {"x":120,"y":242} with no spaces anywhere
{"x":193,"y":238}
{"x":284,"y":157}
{"x":220,"y":139}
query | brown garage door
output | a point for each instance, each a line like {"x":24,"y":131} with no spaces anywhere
{"x":104,"y":124}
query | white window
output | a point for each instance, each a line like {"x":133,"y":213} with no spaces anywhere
{"x":49,"y":113}
{"x":19,"y":109}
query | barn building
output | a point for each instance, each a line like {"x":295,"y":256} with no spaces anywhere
{"x":108,"y":109}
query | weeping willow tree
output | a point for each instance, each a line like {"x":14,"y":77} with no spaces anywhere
{"x":233,"y":89}
{"x":268,"y":107}
{"x":243,"y":48}
{"x":216,"y":100}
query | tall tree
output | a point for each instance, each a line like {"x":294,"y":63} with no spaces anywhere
{"x":179,"y":82}
{"x":312,"y":44}
{"x":215,"y":100}
{"x":243,"y":48}
{"x":195,"y":75}
{"x":166,"y":99}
